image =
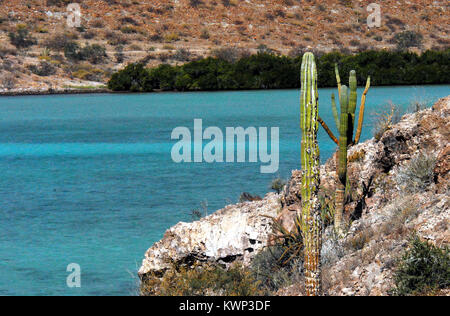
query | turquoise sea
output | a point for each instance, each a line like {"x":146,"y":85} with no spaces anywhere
{"x":89,"y":179}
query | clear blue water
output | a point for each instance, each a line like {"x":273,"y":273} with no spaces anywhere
{"x":89,"y":179}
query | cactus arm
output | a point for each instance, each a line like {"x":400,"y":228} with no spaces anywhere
{"x":353,"y":93}
{"x":361,"y":112}
{"x":327,"y":129}
{"x":338,"y":79}
{"x":310,"y":214}
{"x":342,"y":170}
{"x":352,"y":105}
{"x":335,"y":112}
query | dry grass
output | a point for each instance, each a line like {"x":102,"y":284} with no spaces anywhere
{"x":418,"y":174}
{"x":202,"y":281}
{"x":385,"y":119}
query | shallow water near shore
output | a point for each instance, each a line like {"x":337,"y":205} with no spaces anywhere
{"x":89,"y":179}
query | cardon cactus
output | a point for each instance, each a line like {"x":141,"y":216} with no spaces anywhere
{"x":345,"y":125}
{"x":310,"y":216}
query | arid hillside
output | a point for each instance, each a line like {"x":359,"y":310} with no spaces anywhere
{"x":176,"y":31}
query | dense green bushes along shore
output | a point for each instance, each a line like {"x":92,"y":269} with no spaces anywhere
{"x":267,"y":71}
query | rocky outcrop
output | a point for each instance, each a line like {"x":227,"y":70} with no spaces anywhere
{"x":235,"y":233}
{"x":383,"y":212}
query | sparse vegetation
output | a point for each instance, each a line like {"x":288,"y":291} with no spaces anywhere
{"x":423,"y":268}
{"x":247,"y":197}
{"x":277,"y":185}
{"x":58,"y":42}
{"x":9,"y":81}
{"x":93,"y":53}
{"x":44,"y":69}
{"x":407,"y":39}
{"x":203,"y":281}
{"x":201,"y":212}
{"x":22,"y":38}
{"x":386,"y":119}
{"x":418,"y":174}
{"x":272,"y":273}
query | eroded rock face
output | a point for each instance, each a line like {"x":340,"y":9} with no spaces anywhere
{"x":442,"y":170}
{"x":235,"y":233}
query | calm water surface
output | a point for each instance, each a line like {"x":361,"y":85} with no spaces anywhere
{"x":89,"y":179}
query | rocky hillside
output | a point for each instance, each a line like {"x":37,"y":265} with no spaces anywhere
{"x":177,"y":31}
{"x":399,"y":186}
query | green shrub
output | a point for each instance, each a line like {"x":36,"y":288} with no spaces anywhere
{"x":21,"y":38}
{"x":133,"y":78}
{"x":418,"y":174}
{"x":87,"y":72}
{"x":43,"y":69}
{"x":72,"y":51}
{"x":93,"y":53}
{"x":233,"y":69}
{"x":407,"y":39}
{"x":58,"y":42}
{"x":423,"y":268}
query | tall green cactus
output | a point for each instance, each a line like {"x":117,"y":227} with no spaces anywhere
{"x":342,"y":159}
{"x":310,"y":217}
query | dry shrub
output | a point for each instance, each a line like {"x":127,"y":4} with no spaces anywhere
{"x":403,"y":212}
{"x":357,"y":156}
{"x":202,"y":281}
{"x":418,"y":174}
{"x":386,"y":119}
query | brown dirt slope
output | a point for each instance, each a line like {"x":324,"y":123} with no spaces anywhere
{"x":154,"y":30}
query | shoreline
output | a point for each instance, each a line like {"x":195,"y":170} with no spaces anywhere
{"x":69,"y":91}
{"x":53,"y":92}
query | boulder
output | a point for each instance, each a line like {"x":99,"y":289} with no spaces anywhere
{"x":235,"y":233}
